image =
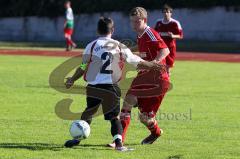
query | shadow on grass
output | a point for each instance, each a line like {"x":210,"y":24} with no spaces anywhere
{"x":93,"y":147}
{"x":175,"y":157}
{"x":31,"y":146}
{"x":51,"y":147}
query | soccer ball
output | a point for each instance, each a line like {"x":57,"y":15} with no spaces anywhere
{"x":80,"y":129}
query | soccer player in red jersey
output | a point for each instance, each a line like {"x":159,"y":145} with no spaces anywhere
{"x":149,"y":87}
{"x":68,"y":27}
{"x":169,"y":29}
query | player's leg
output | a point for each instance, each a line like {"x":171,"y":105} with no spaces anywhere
{"x":129,"y":102}
{"x":125,"y":116}
{"x":170,"y":59}
{"x":73,"y":45}
{"x":92,"y":108}
{"x":148,"y":109}
{"x":111,"y":112}
{"x":131,"y":99}
{"x":68,"y":36}
{"x":116,"y":131}
{"x":87,"y":115}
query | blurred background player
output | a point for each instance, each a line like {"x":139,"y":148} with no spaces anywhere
{"x":102,"y":66}
{"x":68,"y":26}
{"x":151,"y":85}
{"x":169,"y":29}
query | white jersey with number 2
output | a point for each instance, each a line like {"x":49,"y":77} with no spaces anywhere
{"x":105,"y":58}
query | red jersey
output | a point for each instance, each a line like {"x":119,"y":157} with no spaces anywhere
{"x":149,"y":44}
{"x":172,"y":26}
{"x":150,"y":85}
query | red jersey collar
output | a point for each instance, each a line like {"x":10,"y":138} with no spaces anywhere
{"x":144,"y":31}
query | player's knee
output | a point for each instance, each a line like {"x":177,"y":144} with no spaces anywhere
{"x":131,"y":99}
{"x":145,"y":119}
{"x":114,"y":118}
{"x":129,"y":102}
{"x":127,"y":107}
{"x":125,"y":114}
{"x":67,"y":36}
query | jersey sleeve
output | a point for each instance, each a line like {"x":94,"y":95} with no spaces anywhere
{"x":157,"y":43}
{"x":178,"y":29}
{"x":129,"y":56}
{"x":86,"y":54}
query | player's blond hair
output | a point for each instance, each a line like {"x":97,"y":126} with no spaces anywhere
{"x":139,"y":12}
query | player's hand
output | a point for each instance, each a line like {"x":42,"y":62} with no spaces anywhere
{"x":69,"y":83}
{"x":170,"y":34}
{"x":159,"y":66}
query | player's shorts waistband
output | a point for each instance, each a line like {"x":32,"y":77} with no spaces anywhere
{"x":102,"y":85}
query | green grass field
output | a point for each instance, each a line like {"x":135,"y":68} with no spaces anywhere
{"x":205,"y":94}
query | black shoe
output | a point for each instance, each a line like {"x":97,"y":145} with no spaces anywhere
{"x":69,"y":48}
{"x":151,"y":138}
{"x":71,"y":143}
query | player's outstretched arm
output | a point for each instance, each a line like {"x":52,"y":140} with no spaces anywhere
{"x":140,"y":63}
{"x":70,"y":80}
{"x":148,"y":65}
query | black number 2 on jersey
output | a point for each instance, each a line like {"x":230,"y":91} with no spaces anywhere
{"x":106,"y":56}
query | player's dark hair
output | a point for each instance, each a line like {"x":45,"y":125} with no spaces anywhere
{"x":105,"y":26}
{"x":68,"y":2}
{"x":167,"y":7}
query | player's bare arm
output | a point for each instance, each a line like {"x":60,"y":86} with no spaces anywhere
{"x":70,"y":80}
{"x":140,"y":63}
{"x":148,"y":65}
{"x":174,"y":36}
{"x":171,"y":35}
{"x":162,"y":54}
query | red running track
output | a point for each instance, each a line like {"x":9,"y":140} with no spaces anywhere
{"x":182,"y":56}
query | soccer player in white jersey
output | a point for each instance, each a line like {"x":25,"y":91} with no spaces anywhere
{"x":68,"y":26}
{"x":102,"y":64}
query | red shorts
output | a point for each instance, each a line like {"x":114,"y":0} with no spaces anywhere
{"x":171,"y":57}
{"x":68,"y":31}
{"x":149,"y":106}
{"x":149,"y":87}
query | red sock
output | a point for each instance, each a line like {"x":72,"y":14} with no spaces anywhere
{"x":68,"y":41}
{"x":154,"y":128}
{"x":125,"y":121}
{"x":72,"y":43}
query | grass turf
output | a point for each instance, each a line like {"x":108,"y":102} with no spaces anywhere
{"x":199,"y":116}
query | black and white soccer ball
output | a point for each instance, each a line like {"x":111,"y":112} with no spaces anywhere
{"x":80,"y":129}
